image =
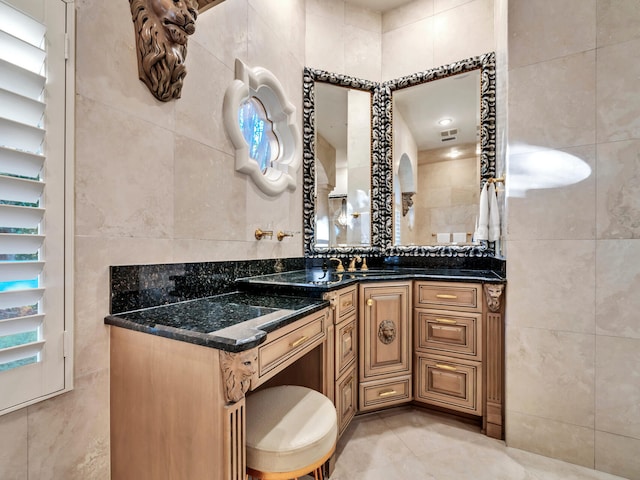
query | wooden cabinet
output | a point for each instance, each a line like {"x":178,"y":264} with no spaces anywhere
{"x":385,"y":344}
{"x":448,"y":346}
{"x":344,"y":305}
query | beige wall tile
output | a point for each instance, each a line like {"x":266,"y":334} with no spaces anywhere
{"x":442,"y":5}
{"x":362,"y":18}
{"x":571,"y":443}
{"x":619,"y":189}
{"x":617,"y":21}
{"x":69,"y":434}
{"x":548,"y":29}
{"x":551,"y":286}
{"x":409,"y":49}
{"x":13,"y":445}
{"x":475,"y":19}
{"x":550,"y":375}
{"x":552,"y":104}
{"x":617,"y":286}
{"x":617,"y":101}
{"x":106,"y":63}
{"x":199,"y":111}
{"x":222,"y":33}
{"x":363,"y":51}
{"x":124,"y":170}
{"x":618,"y":386}
{"x":286,"y":24}
{"x":325,"y":44}
{"x":563,"y":212}
{"x":406,"y":14}
{"x":210,"y":200}
{"x":332,"y":9}
{"x":618,"y":455}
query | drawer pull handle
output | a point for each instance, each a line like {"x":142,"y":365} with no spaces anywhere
{"x":346,"y":304}
{"x":386,"y":393}
{"x":446,"y":320}
{"x":299,"y":341}
{"x":369,"y":303}
{"x":446,"y":367}
{"x":446,"y":295}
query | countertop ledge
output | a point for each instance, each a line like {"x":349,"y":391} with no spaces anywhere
{"x":241,"y":320}
{"x":233,"y":322}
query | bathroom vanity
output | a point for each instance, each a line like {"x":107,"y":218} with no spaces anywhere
{"x":368,"y":340}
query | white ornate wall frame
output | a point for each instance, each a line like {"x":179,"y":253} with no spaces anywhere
{"x":162,"y":28}
{"x":260,"y":83}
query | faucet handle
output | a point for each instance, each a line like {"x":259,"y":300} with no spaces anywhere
{"x":352,"y":263}
{"x":364,"y":264}
{"x":340,"y":267}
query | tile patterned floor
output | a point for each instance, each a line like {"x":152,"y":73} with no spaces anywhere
{"x":407,"y":443}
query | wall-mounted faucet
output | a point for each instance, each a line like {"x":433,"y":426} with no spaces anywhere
{"x":263,"y":233}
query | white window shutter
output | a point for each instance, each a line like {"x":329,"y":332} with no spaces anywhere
{"x":32,"y":155}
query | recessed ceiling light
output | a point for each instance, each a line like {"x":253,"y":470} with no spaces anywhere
{"x":445,"y":121}
{"x":454,"y":153}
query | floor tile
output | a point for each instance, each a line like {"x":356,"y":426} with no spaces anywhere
{"x":414,"y":443}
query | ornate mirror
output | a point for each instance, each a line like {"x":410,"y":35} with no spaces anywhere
{"x":442,"y":151}
{"x":343,"y":188}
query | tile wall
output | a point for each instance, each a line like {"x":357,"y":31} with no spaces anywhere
{"x":154,"y":183}
{"x":573,"y":328}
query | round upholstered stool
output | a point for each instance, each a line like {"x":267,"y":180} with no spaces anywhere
{"x":291,"y":432}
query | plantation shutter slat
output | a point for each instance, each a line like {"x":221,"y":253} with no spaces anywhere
{"x":11,"y":243}
{"x":20,"y":352}
{"x":20,"y":325}
{"x":21,"y":136}
{"x":20,"y":80}
{"x":20,"y":108}
{"x":24,"y":164}
{"x":20,"y":189}
{"x":20,"y":217}
{"x":14,"y":271}
{"x":19,"y":298}
{"x":17,"y":51}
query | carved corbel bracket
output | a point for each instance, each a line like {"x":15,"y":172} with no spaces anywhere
{"x":493,"y":294}
{"x":407,"y":202}
{"x":238,"y":369}
{"x":162,"y":28}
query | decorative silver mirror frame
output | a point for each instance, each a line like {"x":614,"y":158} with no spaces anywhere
{"x":308,"y":161}
{"x":487,"y":65}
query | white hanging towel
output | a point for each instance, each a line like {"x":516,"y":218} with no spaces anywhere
{"x":494,"y":214}
{"x":482,"y":227}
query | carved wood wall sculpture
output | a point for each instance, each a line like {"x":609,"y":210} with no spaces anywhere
{"x":162,"y":28}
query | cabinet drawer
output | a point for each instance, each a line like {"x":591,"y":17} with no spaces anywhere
{"x":346,"y":303}
{"x":384,"y":393}
{"x":346,"y":345}
{"x":289,"y":342}
{"x":346,"y":397}
{"x":459,"y":296}
{"x":449,"y":332}
{"x":450,"y":383}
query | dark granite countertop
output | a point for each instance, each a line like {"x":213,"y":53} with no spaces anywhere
{"x":314,"y":282}
{"x":240,"y":320}
{"x":233,"y":322}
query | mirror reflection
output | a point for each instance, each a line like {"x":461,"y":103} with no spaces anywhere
{"x":343,"y":166}
{"x":436,"y":161}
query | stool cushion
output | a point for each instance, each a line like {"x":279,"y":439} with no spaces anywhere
{"x":288,"y":428}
